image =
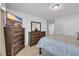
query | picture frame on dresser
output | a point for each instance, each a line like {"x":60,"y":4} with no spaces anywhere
{"x":35,"y":26}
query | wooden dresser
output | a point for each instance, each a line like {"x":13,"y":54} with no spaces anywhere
{"x":14,"y":40}
{"x":35,"y":36}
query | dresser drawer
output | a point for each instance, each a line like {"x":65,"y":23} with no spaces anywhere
{"x":18,"y":40}
{"x":17,"y":49}
{"x":35,"y":33}
{"x":17,"y":30}
{"x":33,"y":43}
{"x":35,"y":37}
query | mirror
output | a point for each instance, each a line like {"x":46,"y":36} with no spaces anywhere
{"x":35,"y":26}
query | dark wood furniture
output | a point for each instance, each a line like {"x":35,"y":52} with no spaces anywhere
{"x":14,"y":40}
{"x":14,"y":34}
{"x":35,"y":36}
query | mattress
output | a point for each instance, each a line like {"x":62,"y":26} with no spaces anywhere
{"x":60,"y":45}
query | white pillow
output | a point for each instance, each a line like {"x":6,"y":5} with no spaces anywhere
{"x":75,"y":35}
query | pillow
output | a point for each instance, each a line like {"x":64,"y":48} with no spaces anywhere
{"x":73,"y":35}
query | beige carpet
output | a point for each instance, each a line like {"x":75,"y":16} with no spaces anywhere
{"x":29,"y":51}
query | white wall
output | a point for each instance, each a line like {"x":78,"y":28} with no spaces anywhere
{"x":67,"y":25}
{"x":27,"y":22}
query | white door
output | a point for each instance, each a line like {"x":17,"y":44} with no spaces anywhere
{"x":51,"y":29}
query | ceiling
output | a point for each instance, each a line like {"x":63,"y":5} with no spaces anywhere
{"x":42,"y":9}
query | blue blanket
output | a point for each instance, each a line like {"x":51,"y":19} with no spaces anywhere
{"x":57,"y":48}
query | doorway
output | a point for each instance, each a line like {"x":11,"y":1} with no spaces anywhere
{"x":51,"y":29}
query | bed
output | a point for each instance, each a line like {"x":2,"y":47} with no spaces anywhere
{"x":58,"y":45}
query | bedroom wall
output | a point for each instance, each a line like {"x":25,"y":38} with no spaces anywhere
{"x":67,"y":25}
{"x":27,"y":22}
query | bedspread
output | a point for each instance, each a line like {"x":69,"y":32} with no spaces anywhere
{"x":59,"y":47}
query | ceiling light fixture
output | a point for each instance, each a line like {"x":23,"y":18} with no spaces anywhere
{"x":55,"y":6}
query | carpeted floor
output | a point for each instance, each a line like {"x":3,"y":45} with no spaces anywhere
{"x":29,"y":51}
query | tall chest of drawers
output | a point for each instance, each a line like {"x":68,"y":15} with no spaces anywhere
{"x":35,"y":36}
{"x":14,"y":40}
